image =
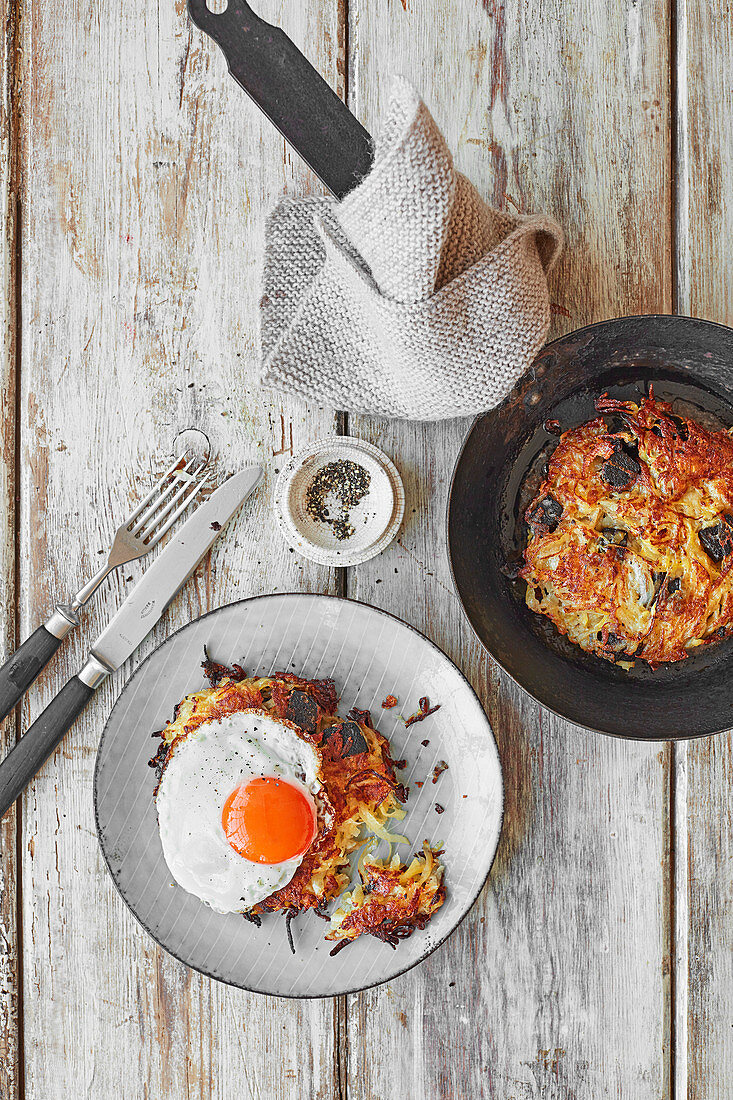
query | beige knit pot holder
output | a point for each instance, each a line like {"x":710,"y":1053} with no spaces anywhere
{"x":411,"y":298}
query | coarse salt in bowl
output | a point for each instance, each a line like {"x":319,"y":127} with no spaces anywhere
{"x":339,"y":501}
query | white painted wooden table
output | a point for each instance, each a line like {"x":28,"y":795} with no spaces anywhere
{"x":135,"y":177}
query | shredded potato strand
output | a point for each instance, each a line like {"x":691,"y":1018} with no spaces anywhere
{"x":392,"y":899}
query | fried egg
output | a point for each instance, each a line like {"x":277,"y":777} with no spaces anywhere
{"x":239,"y":804}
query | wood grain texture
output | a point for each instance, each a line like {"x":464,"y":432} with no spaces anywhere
{"x":9,"y":993}
{"x":705,"y":814}
{"x":557,"y":984}
{"x":146,"y":176}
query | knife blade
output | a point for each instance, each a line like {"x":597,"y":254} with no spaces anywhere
{"x":171,"y":569}
{"x":134,"y":620}
{"x":293,"y":95}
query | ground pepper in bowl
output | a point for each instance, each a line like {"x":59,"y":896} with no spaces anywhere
{"x":344,"y":481}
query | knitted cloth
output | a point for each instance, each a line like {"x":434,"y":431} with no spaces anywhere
{"x":411,"y":297}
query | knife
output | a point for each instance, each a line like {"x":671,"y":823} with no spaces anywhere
{"x":296,"y":98}
{"x":133,"y":622}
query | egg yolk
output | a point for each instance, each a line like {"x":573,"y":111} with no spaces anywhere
{"x":269,"y":820}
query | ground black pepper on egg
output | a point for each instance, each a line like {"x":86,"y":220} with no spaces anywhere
{"x":348,"y":483}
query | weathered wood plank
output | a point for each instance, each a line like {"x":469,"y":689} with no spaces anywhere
{"x":146,"y":175}
{"x":9,"y":993}
{"x":705,"y":809}
{"x":557,"y":983}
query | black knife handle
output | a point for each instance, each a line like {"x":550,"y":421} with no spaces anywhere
{"x":293,"y":95}
{"x":20,"y":670}
{"x":37,"y":744}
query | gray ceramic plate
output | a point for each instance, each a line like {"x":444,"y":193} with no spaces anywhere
{"x":370,"y":655}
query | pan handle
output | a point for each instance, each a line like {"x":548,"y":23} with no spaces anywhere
{"x":296,"y":98}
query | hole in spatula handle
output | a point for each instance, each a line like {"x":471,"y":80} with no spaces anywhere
{"x":217,"y":7}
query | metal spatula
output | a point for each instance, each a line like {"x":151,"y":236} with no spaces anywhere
{"x":140,"y":532}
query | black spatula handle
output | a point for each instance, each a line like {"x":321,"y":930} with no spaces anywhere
{"x":37,"y":744}
{"x":296,"y":98}
{"x":20,"y":670}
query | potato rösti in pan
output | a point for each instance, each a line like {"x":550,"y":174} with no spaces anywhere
{"x":630,"y":542}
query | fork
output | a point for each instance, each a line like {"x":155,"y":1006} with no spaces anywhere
{"x":140,"y":532}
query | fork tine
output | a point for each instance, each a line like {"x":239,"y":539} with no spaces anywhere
{"x":158,"y":517}
{"x":155,"y":490}
{"x":188,"y":472}
{"x":179,"y":511}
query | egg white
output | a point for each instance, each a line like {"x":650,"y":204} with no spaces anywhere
{"x":202,"y":771}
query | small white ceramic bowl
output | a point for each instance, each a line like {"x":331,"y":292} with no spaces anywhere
{"x":376,"y":518}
